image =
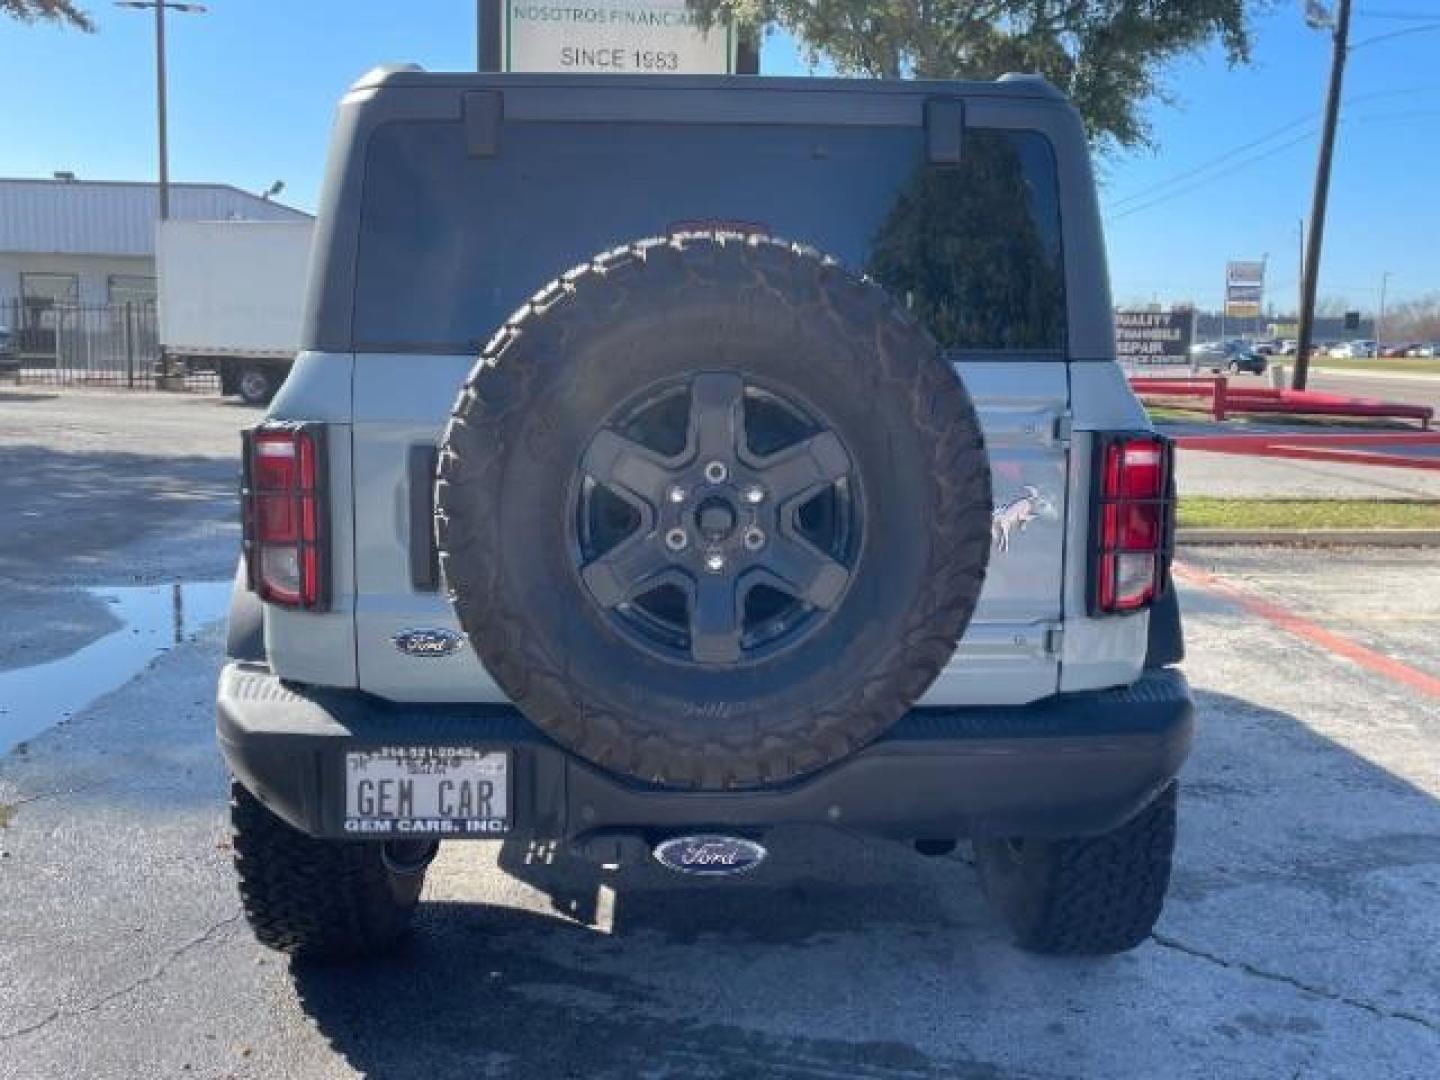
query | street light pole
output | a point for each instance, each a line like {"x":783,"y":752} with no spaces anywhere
{"x":160,"y":112}
{"x":1380,"y":318}
{"x":1310,"y":278}
{"x":161,"y":105}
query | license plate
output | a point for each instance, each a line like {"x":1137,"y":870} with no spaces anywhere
{"x":431,"y":790}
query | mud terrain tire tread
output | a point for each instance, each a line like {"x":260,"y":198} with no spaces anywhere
{"x":1085,"y":896}
{"x":507,"y":380}
{"x":322,"y":899}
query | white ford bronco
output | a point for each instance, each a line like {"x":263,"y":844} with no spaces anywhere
{"x":672,"y":460}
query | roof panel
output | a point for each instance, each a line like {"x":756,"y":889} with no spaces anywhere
{"x":96,"y":218}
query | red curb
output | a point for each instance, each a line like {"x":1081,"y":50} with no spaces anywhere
{"x":1306,"y":630}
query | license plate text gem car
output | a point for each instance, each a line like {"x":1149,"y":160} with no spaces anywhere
{"x":430,"y":790}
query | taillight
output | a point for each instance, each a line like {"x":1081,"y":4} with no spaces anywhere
{"x":1133,"y":521}
{"x":286,"y":535}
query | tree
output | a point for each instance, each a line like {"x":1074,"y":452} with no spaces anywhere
{"x":1414,"y":320}
{"x":63,"y":12}
{"x":1107,"y":55}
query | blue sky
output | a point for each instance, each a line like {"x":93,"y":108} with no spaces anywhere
{"x":253,"y":85}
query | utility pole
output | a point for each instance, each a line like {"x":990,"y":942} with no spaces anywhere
{"x":1311,"y":275}
{"x":1300,"y":280}
{"x":160,"y":112}
{"x":161,"y":104}
{"x":1380,"y":318}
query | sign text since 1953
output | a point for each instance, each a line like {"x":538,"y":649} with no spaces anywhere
{"x":634,"y":37}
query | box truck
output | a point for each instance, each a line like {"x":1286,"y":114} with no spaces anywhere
{"x":231,"y":295}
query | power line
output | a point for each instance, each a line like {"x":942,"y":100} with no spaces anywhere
{"x":1237,"y":167}
{"x":1425,"y":29}
{"x":1187,"y":174}
{"x":1220,"y":159}
{"x":1127,"y":211}
{"x":1406,"y":16}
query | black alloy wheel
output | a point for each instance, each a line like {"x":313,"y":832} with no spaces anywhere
{"x":717,"y":522}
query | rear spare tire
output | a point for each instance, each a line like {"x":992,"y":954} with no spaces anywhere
{"x":713,"y":511}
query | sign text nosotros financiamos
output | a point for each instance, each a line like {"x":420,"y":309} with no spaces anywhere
{"x":612,"y":36}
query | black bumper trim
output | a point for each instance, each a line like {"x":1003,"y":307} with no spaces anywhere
{"x":1070,"y":765}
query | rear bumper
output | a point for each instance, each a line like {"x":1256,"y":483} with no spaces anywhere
{"x":1071,"y":765}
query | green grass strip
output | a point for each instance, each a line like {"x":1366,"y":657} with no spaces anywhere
{"x":1209,"y":513}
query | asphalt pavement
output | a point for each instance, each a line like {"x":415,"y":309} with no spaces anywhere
{"x":104,"y":488}
{"x":1417,"y":389}
{"x":1299,"y":939}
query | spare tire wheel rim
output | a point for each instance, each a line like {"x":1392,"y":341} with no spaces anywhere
{"x":717,"y":521}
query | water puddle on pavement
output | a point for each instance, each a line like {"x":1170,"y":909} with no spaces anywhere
{"x":154,"y":618}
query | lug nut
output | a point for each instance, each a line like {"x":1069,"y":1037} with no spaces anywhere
{"x":754,"y":494}
{"x":754,"y":540}
{"x":716,"y":472}
{"x":676,"y":540}
{"x":715,"y":562}
{"x":676,"y":494}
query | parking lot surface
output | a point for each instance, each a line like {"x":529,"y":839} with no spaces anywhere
{"x":1299,"y":940}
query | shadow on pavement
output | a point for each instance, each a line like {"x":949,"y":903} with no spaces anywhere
{"x":514,"y":993}
{"x":67,"y":513}
{"x":766,"y":976}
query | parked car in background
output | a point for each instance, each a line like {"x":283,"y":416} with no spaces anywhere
{"x":1428,"y":351}
{"x":1288,"y":347}
{"x":1266,"y":347}
{"x":1400,"y":349}
{"x":1232,"y":356}
{"x":1353,"y":350}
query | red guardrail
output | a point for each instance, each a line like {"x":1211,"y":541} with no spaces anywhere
{"x":1224,"y":399}
{"x":1397,"y":449}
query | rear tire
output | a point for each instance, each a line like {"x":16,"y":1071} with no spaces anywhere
{"x":1086,"y":896}
{"x":323,"y":899}
{"x":257,"y":384}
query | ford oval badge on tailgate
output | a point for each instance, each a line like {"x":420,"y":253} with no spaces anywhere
{"x":428,"y":642}
{"x":709,"y":856}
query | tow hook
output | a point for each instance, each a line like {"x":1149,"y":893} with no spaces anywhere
{"x":407,"y":857}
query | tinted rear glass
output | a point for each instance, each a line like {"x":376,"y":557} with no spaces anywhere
{"x":452,"y":244}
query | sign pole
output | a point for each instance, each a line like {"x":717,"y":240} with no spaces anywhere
{"x":487,"y":35}
{"x":1225,"y":302}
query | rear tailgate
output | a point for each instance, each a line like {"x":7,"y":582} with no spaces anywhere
{"x":453,"y":238}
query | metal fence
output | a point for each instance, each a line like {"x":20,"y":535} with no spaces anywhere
{"x":113,"y":345}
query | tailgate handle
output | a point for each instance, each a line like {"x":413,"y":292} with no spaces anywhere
{"x":484,"y":115}
{"x":944,"y":130}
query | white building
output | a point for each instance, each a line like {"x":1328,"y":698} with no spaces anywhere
{"x":78,"y":242}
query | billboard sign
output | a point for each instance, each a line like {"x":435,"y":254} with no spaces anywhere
{"x":1244,"y":289}
{"x":620,"y":37}
{"x":1154,"y":337}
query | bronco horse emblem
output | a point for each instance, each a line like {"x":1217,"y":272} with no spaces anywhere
{"x":1016,"y":514}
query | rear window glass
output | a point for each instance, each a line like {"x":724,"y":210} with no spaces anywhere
{"x":452,"y":244}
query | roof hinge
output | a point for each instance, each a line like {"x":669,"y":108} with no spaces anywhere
{"x":944,"y":130}
{"x":484,"y":115}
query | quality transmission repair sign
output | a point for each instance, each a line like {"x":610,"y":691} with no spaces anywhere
{"x":632,"y":37}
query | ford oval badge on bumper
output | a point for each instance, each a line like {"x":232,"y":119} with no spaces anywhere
{"x":710,"y":855}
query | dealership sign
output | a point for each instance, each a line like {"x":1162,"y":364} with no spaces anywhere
{"x":623,"y":37}
{"x":1154,"y":337}
{"x":1244,"y":289}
